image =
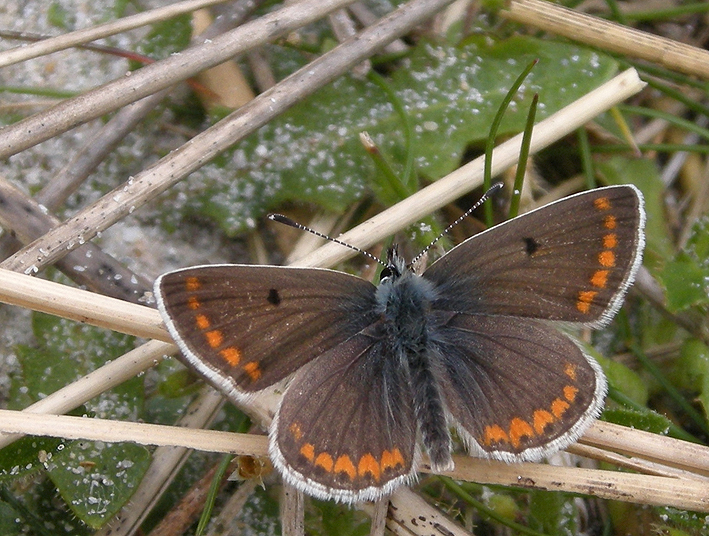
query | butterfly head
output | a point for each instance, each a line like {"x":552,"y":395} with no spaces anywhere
{"x":395,"y":266}
{"x":403,"y":296}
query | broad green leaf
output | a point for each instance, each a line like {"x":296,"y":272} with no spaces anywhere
{"x":691,"y":370}
{"x":96,"y":479}
{"x":9,"y":522}
{"x":331,"y":519}
{"x":503,"y":505}
{"x":698,"y":242}
{"x":685,"y":281}
{"x":260,"y":513}
{"x":39,"y":512}
{"x":66,"y":351}
{"x":312,"y":153}
{"x":27,"y":456}
{"x":553,"y":513}
{"x":59,"y":17}
{"x":621,"y":377}
{"x":674,"y":522}
{"x":167,"y":37}
{"x":686,"y":276}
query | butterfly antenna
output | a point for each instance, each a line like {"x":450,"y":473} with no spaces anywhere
{"x":280,"y":218}
{"x":494,"y":188}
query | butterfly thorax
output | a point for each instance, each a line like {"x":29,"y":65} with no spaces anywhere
{"x":404,"y":300}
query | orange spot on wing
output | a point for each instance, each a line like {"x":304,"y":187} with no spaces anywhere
{"x":344,"y":465}
{"x":610,"y":241}
{"x":570,"y":392}
{"x":602,"y":203}
{"x":192,"y":284}
{"x":519,"y":428}
{"x":193,"y":303}
{"x":214,"y":338}
{"x":585,"y":299}
{"x":606,"y":259}
{"x":368,"y":465}
{"x":391,"y":458}
{"x":308,"y":450}
{"x":253,"y":370}
{"x":202,"y":321}
{"x":231,"y":355}
{"x":583,"y":307}
{"x":324,"y":460}
{"x":296,"y":431}
{"x":541,"y":419}
{"x":570,"y":371}
{"x":609,"y":222}
{"x":559,"y":407}
{"x":600,"y":278}
{"x":495,"y":434}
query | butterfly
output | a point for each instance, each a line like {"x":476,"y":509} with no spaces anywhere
{"x":376,"y":374}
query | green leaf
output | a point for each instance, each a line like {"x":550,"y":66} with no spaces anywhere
{"x":690,"y":371}
{"x":649,"y":421}
{"x":312,"y":153}
{"x":37,"y":511}
{"x":59,"y":17}
{"x":42,"y":374}
{"x":167,"y":37}
{"x":621,"y":377}
{"x":66,"y":351}
{"x":27,"y":455}
{"x":685,"y":282}
{"x":261,"y":513}
{"x":698,"y":243}
{"x":331,"y":519}
{"x":96,"y":479}
{"x":553,"y":513}
{"x":686,"y":276}
{"x":674,"y":522}
{"x":9,"y":525}
{"x":503,"y":505}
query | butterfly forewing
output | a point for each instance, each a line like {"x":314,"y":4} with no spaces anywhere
{"x":571,"y":261}
{"x":346,"y":427}
{"x":517,"y":389}
{"x":248,"y":327}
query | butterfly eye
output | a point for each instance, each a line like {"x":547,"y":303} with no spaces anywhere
{"x":389,"y":272}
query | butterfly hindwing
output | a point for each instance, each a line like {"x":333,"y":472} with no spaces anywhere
{"x":346,"y":428}
{"x":571,"y":260}
{"x":247,"y":327}
{"x":517,"y":389}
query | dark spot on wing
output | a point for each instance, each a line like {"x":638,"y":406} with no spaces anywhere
{"x":530,"y":245}
{"x":273,"y":297}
